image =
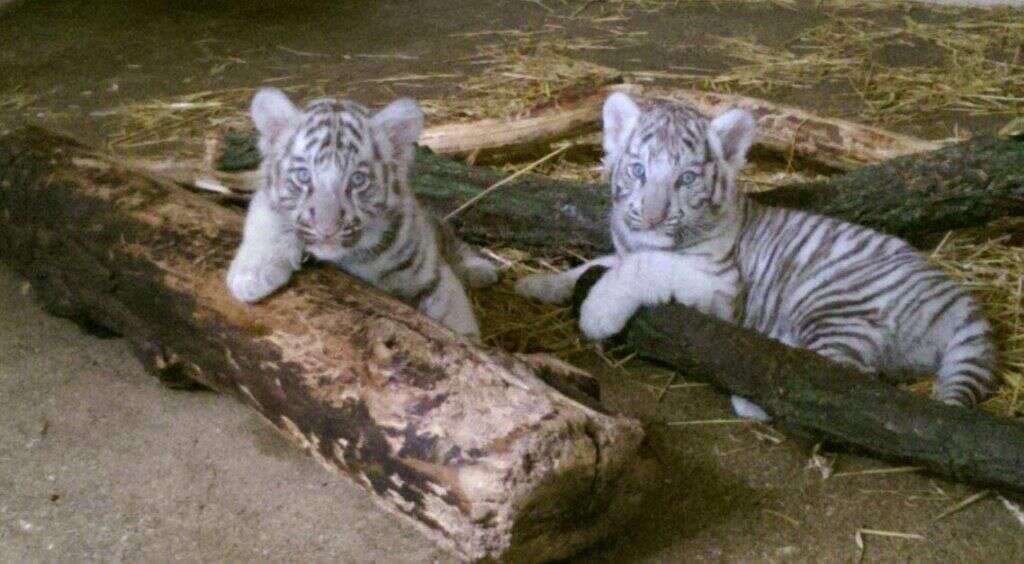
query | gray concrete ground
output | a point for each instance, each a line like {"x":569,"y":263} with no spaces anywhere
{"x":99,"y":462}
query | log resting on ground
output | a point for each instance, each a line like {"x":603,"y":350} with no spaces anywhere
{"x":916,"y":197}
{"x":828,"y":401}
{"x":469,"y":444}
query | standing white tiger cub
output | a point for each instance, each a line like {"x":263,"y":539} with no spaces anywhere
{"x":682,"y":230}
{"x":335,"y":183}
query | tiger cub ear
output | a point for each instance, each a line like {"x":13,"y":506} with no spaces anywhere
{"x":620,"y":116}
{"x":401,"y":122}
{"x":733,"y":133}
{"x":272,"y":113}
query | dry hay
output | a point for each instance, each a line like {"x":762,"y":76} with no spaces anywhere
{"x":521,"y":69}
{"x":974,"y":63}
{"x":16,"y":99}
{"x":181,"y":123}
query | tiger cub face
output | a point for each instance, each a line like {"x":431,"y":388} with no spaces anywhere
{"x":335,"y":169}
{"x":672,"y":172}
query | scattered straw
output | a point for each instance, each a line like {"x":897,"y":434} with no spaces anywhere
{"x":890,"y":534}
{"x":303,"y":53}
{"x":879,"y":471}
{"x":180,"y":121}
{"x":412,"y":77}
{"x":668,"y":386}
{"x":858,"y":538}
{"x":767,"y":437}
{"x":968,"y":61}
{"x":822,"y":463}
{"x":519,"y":69}
{"x":711,"y":422}
{"x":791,"y":520}
{"x":1014,"y":509}
{"x":960,"y":505}
{"x":469,"y":203}
{"x":17,"y":99}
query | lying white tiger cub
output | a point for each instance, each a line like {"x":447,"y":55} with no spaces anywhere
{"x":683,"y":231}
{"x":335,"y":183}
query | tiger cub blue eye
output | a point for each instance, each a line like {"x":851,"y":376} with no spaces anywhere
{"x":301,"y":176}
{"x":357,"y":179}
{"x":637,"y":171}
{"x":687,"y":178}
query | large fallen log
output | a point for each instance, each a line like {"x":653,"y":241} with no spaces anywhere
{"x":914,"y":197}
{"x":831,"y":403}
{"x":469,"y":444}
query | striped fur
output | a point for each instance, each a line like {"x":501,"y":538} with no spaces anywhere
{"x":335,"y":185}
{"x":847,"y":292}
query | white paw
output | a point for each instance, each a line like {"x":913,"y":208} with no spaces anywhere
{"x":478,"y":273}
{"x":749,"y":410}
{"x":600,"y":319}
{"x":460,"y":319}
{"x":253,"y":284}
{"x":546,"y":288}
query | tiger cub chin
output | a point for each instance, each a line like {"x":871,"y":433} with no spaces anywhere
{"x":683,"y":231}
{"x":335,"y":184}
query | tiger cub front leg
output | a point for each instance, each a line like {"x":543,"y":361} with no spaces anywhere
{"x":557,"y":287}
{"x":269,"y":254}
{"x":449,"y":305}
{"x":469,"y":265}
{"x":651,"y":278}
{"x":472,"y":268}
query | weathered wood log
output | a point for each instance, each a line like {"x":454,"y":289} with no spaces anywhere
{"x":918,"y":196}
{"x":914,"y":197}
{"x":498,"y":140}
{"x":832,"y":403}
{"x":468,"y":443}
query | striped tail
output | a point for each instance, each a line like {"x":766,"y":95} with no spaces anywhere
{"x":967,"y":372}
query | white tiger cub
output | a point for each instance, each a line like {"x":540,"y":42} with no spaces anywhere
{"x":682,"y":230}
{"x":335,"y":184}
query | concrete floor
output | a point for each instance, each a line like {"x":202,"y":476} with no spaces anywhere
{"x":99,"y":462}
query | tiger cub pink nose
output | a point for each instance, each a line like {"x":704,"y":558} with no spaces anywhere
{"x":654,"y":212}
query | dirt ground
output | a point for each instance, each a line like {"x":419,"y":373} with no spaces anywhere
{"x":99,"y":462}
